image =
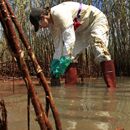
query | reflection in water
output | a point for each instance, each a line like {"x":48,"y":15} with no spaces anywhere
{"x":72,"y":125}
{"x":90,"y":106}
{"x":102,"y":126}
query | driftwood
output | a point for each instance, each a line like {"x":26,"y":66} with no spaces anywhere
{"x":7,"y":23}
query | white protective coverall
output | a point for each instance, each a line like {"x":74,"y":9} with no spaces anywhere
{"x":93,"y":31}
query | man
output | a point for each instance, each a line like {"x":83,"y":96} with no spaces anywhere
{"x":75,"y":26}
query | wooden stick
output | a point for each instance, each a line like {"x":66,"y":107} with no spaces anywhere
{"x":28,"y":111}
{"x":3,"y":122}
{"x":14,"y":44}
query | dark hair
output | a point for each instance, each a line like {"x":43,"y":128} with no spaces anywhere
{"x":46,"y":10}
{"x":35,"y":16}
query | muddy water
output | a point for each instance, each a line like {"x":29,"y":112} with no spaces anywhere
{"x":87,"y":106}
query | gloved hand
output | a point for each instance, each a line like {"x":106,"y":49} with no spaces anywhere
{"x":54,"y":64}
{"x":62,"y":66}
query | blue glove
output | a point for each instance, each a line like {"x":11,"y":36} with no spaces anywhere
{"x":54,"y":64}
{"x":61,"y":68}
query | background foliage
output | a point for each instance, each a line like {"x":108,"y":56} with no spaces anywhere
{"x":118,"y":14}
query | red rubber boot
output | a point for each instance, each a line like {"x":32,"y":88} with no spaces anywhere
{"x":108,"y":70}
{"x":71,"y":74}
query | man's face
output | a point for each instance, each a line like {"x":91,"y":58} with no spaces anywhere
{"x":43,"y":23}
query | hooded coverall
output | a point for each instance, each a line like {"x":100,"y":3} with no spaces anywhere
{"x":93,"y":31}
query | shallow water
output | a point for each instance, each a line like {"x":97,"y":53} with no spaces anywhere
{"x":87,"y":106}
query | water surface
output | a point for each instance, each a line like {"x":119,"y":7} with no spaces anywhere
{"x":87,"y":106}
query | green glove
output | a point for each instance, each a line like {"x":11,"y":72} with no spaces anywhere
{"x":54,"y":64}
{"x":61,"y":68}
